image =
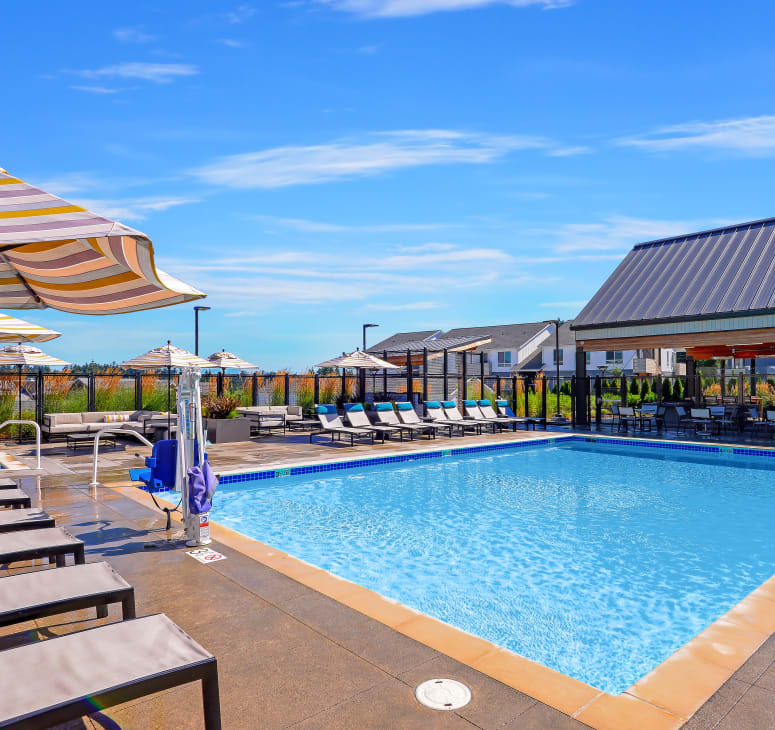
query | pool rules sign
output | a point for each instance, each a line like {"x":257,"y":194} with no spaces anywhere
{"x":205,"y":555}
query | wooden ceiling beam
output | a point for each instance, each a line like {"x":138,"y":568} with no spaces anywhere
{"x":691,"y":339}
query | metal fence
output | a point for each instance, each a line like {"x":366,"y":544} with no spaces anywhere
{"x":581,"y":401}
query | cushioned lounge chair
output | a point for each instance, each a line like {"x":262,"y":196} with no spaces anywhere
{"x":16,"y":498}
{"x":387,"y":416}
{"x":332,"y":424}
{"x":409,"y":416}
{"x":505,"y":411}
{"x":102,"y":667}
{"x":49,"y":542}
{"x":451,"y":413}
{"x":28,"y":518}
{"x":475,"y":411}
{"x":29,"y":596}
{"x":435,"y":412}
{"x":357,"y":418}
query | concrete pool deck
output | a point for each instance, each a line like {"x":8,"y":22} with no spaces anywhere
{"x":270,"y":623}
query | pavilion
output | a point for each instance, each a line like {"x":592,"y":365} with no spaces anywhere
{"x":712,"y":293}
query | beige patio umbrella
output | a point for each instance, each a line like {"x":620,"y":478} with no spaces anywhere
{"x":229,"y":361}
{"x":57,"y":254}
{"x":167,"y":356}
{"x":21,"y":355}
{"x":13,"y":329}
{"x":358,"y":359}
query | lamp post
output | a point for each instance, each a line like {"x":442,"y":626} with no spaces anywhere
{"x":365,"y":327}
{"x":557,"y":324}
{"x":196,"y":326}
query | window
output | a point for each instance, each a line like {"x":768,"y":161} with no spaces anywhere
{"x":588,"y":358}
{"x":555,"y":355}
{"x":504,"y":359}
{"x":614,"y":357}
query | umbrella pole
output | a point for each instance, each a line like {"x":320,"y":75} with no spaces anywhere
{"x":169,"y":402}
{"x":20,"y":403}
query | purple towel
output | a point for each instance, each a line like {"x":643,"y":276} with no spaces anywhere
{"x":202,"y":483}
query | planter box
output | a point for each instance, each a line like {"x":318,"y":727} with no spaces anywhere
{"x":225,"y":430}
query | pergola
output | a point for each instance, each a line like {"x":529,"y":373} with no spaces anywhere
{"x":711,"y":292}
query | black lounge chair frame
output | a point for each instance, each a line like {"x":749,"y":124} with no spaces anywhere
{"x":52,"y":551}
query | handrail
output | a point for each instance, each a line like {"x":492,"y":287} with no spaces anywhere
{"x":37,"y":435}
{"x":123,"y":432}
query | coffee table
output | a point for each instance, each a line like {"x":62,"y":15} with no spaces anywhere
{"x":76,"y":439}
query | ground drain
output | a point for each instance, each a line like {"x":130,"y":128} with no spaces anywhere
{"x":443,"y":694}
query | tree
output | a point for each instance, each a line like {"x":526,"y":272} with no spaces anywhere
{"x":645,"y":388}
{"x":634,"y":387}
{"x":667,"y":391}
{"x":678,"y":389}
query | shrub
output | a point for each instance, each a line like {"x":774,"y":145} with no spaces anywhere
{"x":645,"y":389}
{"x":219,"y":406}
{"x":634,"y":387}
{"x":667,"y":390}
{"x":678,"y":389}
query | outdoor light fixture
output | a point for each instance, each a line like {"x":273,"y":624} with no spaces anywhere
{"x":365,"y":327}
{"x":197,"y":309}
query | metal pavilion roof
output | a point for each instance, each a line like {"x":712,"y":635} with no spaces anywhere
{"x":721,"y":272}
{"x":437,"y":345}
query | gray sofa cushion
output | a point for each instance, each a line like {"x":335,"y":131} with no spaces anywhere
{"x":69,"y":428}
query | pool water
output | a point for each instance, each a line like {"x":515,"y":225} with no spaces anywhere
{"x":597,"y":561}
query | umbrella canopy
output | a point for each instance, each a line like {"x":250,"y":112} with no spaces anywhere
{"x":59,"y":255}
{"x":167,"y":356}
{"x":17,"y":330}
{"x":27,"y":355}
{"x":229,"y":361}
{"x":358,"y":359}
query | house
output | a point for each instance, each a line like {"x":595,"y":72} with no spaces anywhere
{"x":629,"y":362}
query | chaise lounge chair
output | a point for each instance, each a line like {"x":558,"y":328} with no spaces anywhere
{"x":409,"y":416}
{"x":357,"y":418}
{"x":59,"y":680}
{"x":388,"y":416}
{"x":331,"y":423}
{"x":504,"y":411}
{"x":28,"y":518}
{"x":476,"y":412}
{"x":451,"y":411}
{"x":29,"y":596}
{"x":436,"y":413}
{"x":49,"y":542}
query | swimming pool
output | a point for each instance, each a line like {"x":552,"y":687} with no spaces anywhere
{"x":596,"y":560}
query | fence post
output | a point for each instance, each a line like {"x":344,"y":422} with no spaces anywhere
{"x":90,"y":392}
{"x":543,"y":400}
{"x":254,"y":390}
{"x":526,"y":388}
{"x":514,"y":393}
{"x":446,"y":373}
{"x":588,"y":400}
{"x":623,"y":391}
{"x":659,"y":388}
{"x":498,"y":386}
{"x":573,"y":402}
{"x":344,"y":386}
{"x":287,"y":389}
{"x":316,"y":389}
{"x":409,"y":378}
{"x":424,"y":374}
{"x":138,"y":391}
{"x":598,"y":401}
{"x":462,"y":396}
{"x":723,"y":379}
{"x":481,"y":375}
{"x":219,"y":384}
{"x":384,"y":377}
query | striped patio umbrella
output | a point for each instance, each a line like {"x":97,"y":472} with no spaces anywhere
{"x":17,"y":330}
{"x":21,"y":355}
{"x":229,"y":361}
{"x":59,"y":255}
{"x":167,"y":356}
{"x":358,"y":359}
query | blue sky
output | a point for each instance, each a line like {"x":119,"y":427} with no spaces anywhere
{"x":316,"y":164}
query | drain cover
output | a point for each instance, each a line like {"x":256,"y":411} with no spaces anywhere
{"x":443,"y":694}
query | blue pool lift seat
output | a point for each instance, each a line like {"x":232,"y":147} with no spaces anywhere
{"x":161,"y":466}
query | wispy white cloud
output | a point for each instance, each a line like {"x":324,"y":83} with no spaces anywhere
{"x":309,"y":226}
{"x":101,"y":90}
{"x":407,"y":8}
{"x":159,"y":73}
{"x":134,"y":34}
{"x":617,"y":233}
{"x":231,"y":42}
{"x":570,"y":151}
{"x":378,"y":153}
{"x":405,"y":307}
{"x":751,"y":135}
{"x":131,"y":209}
{"x":240,"y":14}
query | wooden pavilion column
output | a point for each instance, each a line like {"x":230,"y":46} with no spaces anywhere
{"x":691,"y":381}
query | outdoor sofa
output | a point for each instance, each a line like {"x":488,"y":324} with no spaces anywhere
{"x":269,"y":417}
{"x":64,"y":424}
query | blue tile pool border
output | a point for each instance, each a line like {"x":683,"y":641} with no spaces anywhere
{"x":278,"y":473}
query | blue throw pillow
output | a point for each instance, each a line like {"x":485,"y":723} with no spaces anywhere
{"x":501,"y":402}
{"x":469,"y":403}
{"x":350,"y":407}
{"x":432,"y":404}
{"x":325,"y":409}
{"x":448,"y":404}
{"x":404,"y":406}
{"x":384,"y":406}
{"x":484,"y":403}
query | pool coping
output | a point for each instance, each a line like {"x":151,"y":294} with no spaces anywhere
{"x":663,"y":698}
